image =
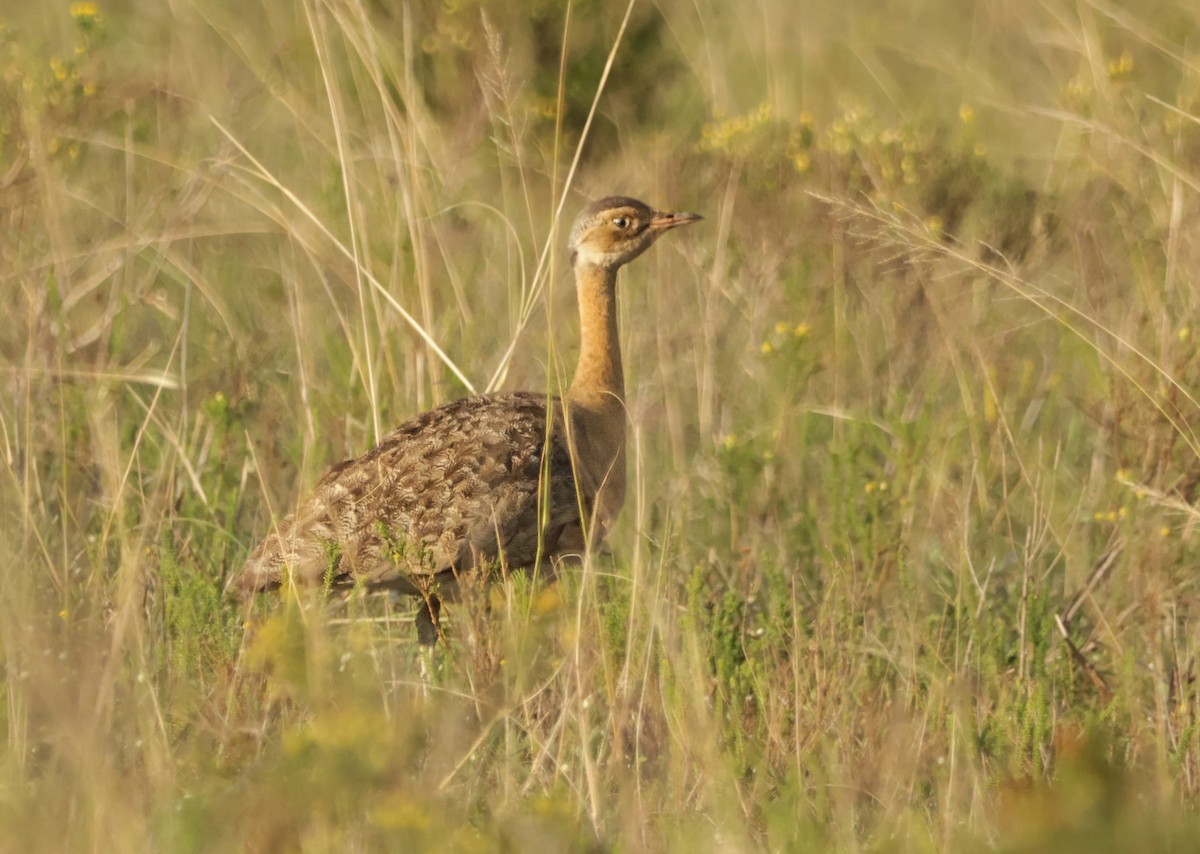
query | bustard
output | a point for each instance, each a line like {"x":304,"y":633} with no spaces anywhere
{"x":457,"y":489}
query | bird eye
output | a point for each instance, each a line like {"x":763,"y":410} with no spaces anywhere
{"x":620,"y":222}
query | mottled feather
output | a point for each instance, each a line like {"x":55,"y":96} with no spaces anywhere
{"x":454,"y":489}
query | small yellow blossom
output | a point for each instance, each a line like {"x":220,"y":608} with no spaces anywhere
{"x":781,"y":327}
{"x":84,"y":11}
{"x":767,"y":347}
{"x":1122,"y":67}
{"x":729,"y":441}
{"x":883,"y":486}
{"x":60,"y":70}
{"x":735,"y":132}
{"x":1184,"y":333}
{"x":934,"y":224}
{"x":967,"y":113}
{"x":1078,"y":89}
{"x":64,"y":614}
{"x":1164,"y":531}
{"x":1123,"y":474}
{"x":869,"y":487}
{"x":548,"y":601}
{"x":854,"y":115}
{"x":800,"y":330}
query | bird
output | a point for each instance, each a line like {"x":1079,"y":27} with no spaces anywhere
{"x":509,"y":480}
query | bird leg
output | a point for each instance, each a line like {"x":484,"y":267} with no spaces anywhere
{"x":428,"y":613}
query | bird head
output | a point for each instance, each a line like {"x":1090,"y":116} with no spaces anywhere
{"x":615,"y":230}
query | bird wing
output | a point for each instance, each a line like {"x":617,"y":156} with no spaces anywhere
{"x":453,"y":489}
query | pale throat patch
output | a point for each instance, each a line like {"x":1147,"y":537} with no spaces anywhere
{"x":590,"y":255}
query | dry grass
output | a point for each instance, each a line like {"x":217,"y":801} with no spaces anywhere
{"x":909,"y":556}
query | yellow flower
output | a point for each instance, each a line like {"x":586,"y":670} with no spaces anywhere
{"x":967,"y":113}
{"x":1184,"y":333}
{"x":1121,"y":67}
{"x":547,"y":601}
{"x":767,"y":347}
{"x":801,"y":330}
{"x":84,"y":11}
{"x":1078,"y":89}
{"x":724,"y":135}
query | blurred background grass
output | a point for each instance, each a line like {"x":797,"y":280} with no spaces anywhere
{"x":909,"y":558}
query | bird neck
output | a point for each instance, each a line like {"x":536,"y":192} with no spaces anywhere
{"x":599,"y":382}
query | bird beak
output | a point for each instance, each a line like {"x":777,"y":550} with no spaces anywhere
{"x":664,"y":221}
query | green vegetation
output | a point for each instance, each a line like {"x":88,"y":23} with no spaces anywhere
{"x":909,"y":557}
